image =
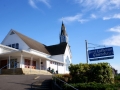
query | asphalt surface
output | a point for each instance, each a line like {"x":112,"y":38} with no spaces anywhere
{"x":20,"y":82}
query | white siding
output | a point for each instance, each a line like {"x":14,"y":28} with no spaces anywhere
{"x":12,"y":39}
{"x":58,"y":57}
{"x":67,"y":54}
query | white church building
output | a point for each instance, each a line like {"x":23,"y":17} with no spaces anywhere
{"x":20,"y":51}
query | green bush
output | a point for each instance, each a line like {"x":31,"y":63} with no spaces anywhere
{"x":84,"y":73}
{"x":93,"y":86}
{"x":117,"y":79}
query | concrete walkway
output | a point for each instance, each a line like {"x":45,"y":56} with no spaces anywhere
{"x":20,"y":82}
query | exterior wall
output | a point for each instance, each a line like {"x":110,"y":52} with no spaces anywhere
{"x":67,"y":54}
{"x":37,"y":64}
{"x":57,"y":67}
{"x":58,"y":57}
{"x":12,"y":39}
{"x":0,"y":50}
{"x":43,"y":66}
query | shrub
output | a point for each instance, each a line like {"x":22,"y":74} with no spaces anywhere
{"x":84,"y":73}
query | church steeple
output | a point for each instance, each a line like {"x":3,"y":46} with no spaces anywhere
{"x":63,"y":34}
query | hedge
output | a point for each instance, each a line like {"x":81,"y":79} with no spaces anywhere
{"x":93,"y":86}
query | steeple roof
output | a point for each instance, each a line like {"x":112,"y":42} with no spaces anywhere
{"x":63,"y":30}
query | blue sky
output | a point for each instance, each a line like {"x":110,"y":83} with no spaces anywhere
{"x":97,"y":21}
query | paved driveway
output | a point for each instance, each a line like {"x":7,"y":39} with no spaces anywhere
{"x":20,"y":82}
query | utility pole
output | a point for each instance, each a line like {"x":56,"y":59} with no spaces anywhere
{"x":86,"y":51}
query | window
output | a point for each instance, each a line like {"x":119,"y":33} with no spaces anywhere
{"x":9,"y":45}
{"x":67,"y":64}
{"x":13,"y":45}
{"x":17,"y":45}
{"x":12,"y":33}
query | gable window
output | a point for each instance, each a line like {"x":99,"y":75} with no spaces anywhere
{"x":17,"y":45}
{"x":12,"y":33}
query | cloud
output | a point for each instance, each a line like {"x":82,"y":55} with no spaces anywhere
{"x":115,"y":29}
{"x":93,"y":16}
{"x":77,"y":17}
{"x":82,"y":20}
{"x":115,"y":16}
{"x":34,"y":2}
{"x":71,"y":18}
{"x":46,"y":3}
{"x":102,"y":5}
{"x":115,"y":39}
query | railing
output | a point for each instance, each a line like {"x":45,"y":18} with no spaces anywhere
{"x":58,"y":81}
{"x":3,"y":67}
{"x":15,"y":65}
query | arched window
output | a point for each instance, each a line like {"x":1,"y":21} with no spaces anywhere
{"x":67,"y":64}
{"x":17,"y":45}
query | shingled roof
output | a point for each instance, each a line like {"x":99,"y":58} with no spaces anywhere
{"x":57,"y":49}
{"x":51,"y":50}
{"x":33,"y":44}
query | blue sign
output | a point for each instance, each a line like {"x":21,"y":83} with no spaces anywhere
{"x":101,"y":52}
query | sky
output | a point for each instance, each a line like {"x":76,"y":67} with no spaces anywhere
{"x":97,"y":21}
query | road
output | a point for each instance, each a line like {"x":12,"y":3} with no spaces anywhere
{"x":20,"y":82}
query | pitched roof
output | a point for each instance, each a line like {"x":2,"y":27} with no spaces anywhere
{"x":57,"y":49}
{"x":32,"y":43}
{"x":51,"y":50}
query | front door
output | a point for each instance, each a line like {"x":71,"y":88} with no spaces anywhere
{"x":13,"y":63}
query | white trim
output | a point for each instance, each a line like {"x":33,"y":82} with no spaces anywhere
{"x":7,"y":47}
{"x":40,"y":64}
{"x":50,"y":59}
{"x":21,"y":60}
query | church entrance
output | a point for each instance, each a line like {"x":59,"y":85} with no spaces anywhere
{"x":13,"y":63}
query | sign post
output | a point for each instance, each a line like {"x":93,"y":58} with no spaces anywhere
{"x":86,"y":51}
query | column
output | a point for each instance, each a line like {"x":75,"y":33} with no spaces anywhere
{"x":9,"y":62}
{"x":31,"y":62}
{"x":21,"y":61}
{"x":40,"y":64}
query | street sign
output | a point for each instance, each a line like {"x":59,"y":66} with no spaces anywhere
{"x":101,"y":54}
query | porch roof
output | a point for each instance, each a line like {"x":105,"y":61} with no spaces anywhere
{"x":26,"y":54}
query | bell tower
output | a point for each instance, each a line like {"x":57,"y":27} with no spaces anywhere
{"x":63,"y":34}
